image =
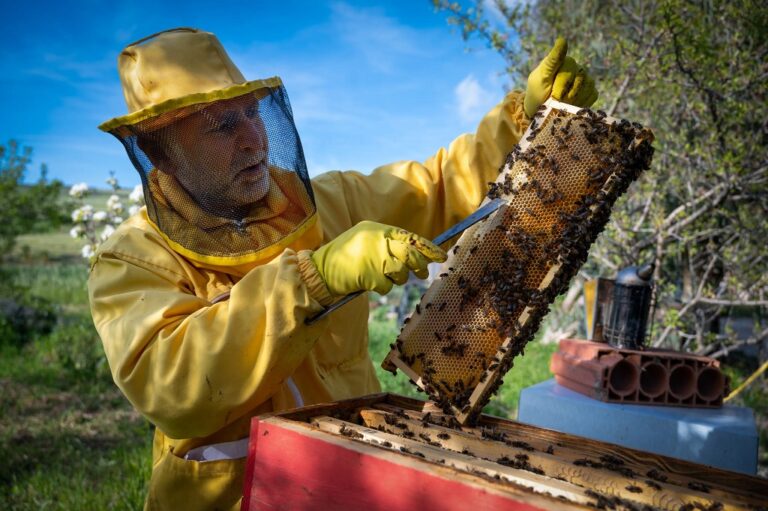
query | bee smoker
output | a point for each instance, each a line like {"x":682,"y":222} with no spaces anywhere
{"x":630,"y":305}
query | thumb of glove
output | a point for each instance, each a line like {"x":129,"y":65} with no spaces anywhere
{"x":542,"y":78}
{"x":554,"y":59}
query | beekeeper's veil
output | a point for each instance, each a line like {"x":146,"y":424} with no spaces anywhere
{"x":219,"y":157}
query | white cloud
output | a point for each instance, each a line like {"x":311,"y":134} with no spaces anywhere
{"x":473,"y":100}
{"x":379,"y":38}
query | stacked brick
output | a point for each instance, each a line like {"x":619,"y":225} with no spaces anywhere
{"x":651,"y":376}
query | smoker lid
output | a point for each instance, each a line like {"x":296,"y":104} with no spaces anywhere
{"x":636,"y":275}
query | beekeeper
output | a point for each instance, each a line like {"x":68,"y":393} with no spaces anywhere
{"x":200,"y":298}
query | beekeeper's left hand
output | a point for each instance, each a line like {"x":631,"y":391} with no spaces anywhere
{"x":561,"y":77}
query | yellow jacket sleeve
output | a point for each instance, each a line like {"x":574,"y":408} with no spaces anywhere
{"x":425,"y":198}
{"x":188,"y":365}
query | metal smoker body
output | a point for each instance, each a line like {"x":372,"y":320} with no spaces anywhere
{"x":628,"y":319}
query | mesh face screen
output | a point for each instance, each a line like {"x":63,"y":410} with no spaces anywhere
{"x":225,"y":178}
{"x":561,"y":182}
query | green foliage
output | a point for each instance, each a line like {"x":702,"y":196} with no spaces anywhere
{"x":23,"y":316}
{"x":76,"y":349}
{"x":695,"y":73}
{"x":26,"y":208}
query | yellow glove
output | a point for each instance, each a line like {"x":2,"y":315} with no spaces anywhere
{"x":561,"y":77}
{"x":372,"y":256}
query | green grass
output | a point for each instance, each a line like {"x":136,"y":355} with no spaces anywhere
{"x":71,"y":449}
{"x":50,"y":245}
{"x":68,"y":438}
{"x":60,"y":283}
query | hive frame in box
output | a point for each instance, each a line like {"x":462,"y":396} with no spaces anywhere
{"x":385,"y":452}
{"x":561,"y":182}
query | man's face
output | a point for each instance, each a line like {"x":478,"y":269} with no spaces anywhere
{"x":219,"y":155}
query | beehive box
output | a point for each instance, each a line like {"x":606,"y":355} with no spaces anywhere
{"x":385,"y":452}
{"x":561,"y":182}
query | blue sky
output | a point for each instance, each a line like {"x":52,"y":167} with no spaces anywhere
{"x":369,"y":82}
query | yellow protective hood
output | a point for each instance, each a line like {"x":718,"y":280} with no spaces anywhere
{"x":285,"y":218}
{"x":191,"y":107}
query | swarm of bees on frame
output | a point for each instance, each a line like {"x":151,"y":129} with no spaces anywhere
{"x":560,"y":183}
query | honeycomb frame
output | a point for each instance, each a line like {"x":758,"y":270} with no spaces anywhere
{"x":560,"y":183}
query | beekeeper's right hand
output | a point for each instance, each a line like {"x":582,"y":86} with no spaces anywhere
{"x":373,"y":256}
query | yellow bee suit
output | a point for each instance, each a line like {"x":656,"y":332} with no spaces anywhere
{"x":200,"y":349}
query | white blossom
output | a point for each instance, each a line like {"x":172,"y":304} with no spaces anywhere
{"x":83,"y":213}
{"x":134,"y":209}
{"x":78,"y":190}
{"x":87,"y":251}
{"x":107,"y":232}
{"x":99,"y":216}
{"x":112,"y":181}
{"x":117,"y":220}
{"x":76,"y":231}
{"x":114,"y":204}
{"x":137,"y":195}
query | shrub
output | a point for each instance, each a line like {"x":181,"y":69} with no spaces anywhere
{"x":75,"y":347}
{"x":23,"y":316}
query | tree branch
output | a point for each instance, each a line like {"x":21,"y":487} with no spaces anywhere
{"x":734,"y":303}
{"x":748,"y":342}
{"x":633,"y":72}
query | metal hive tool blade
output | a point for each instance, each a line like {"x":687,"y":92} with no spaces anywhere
{"x":561,"y":182}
